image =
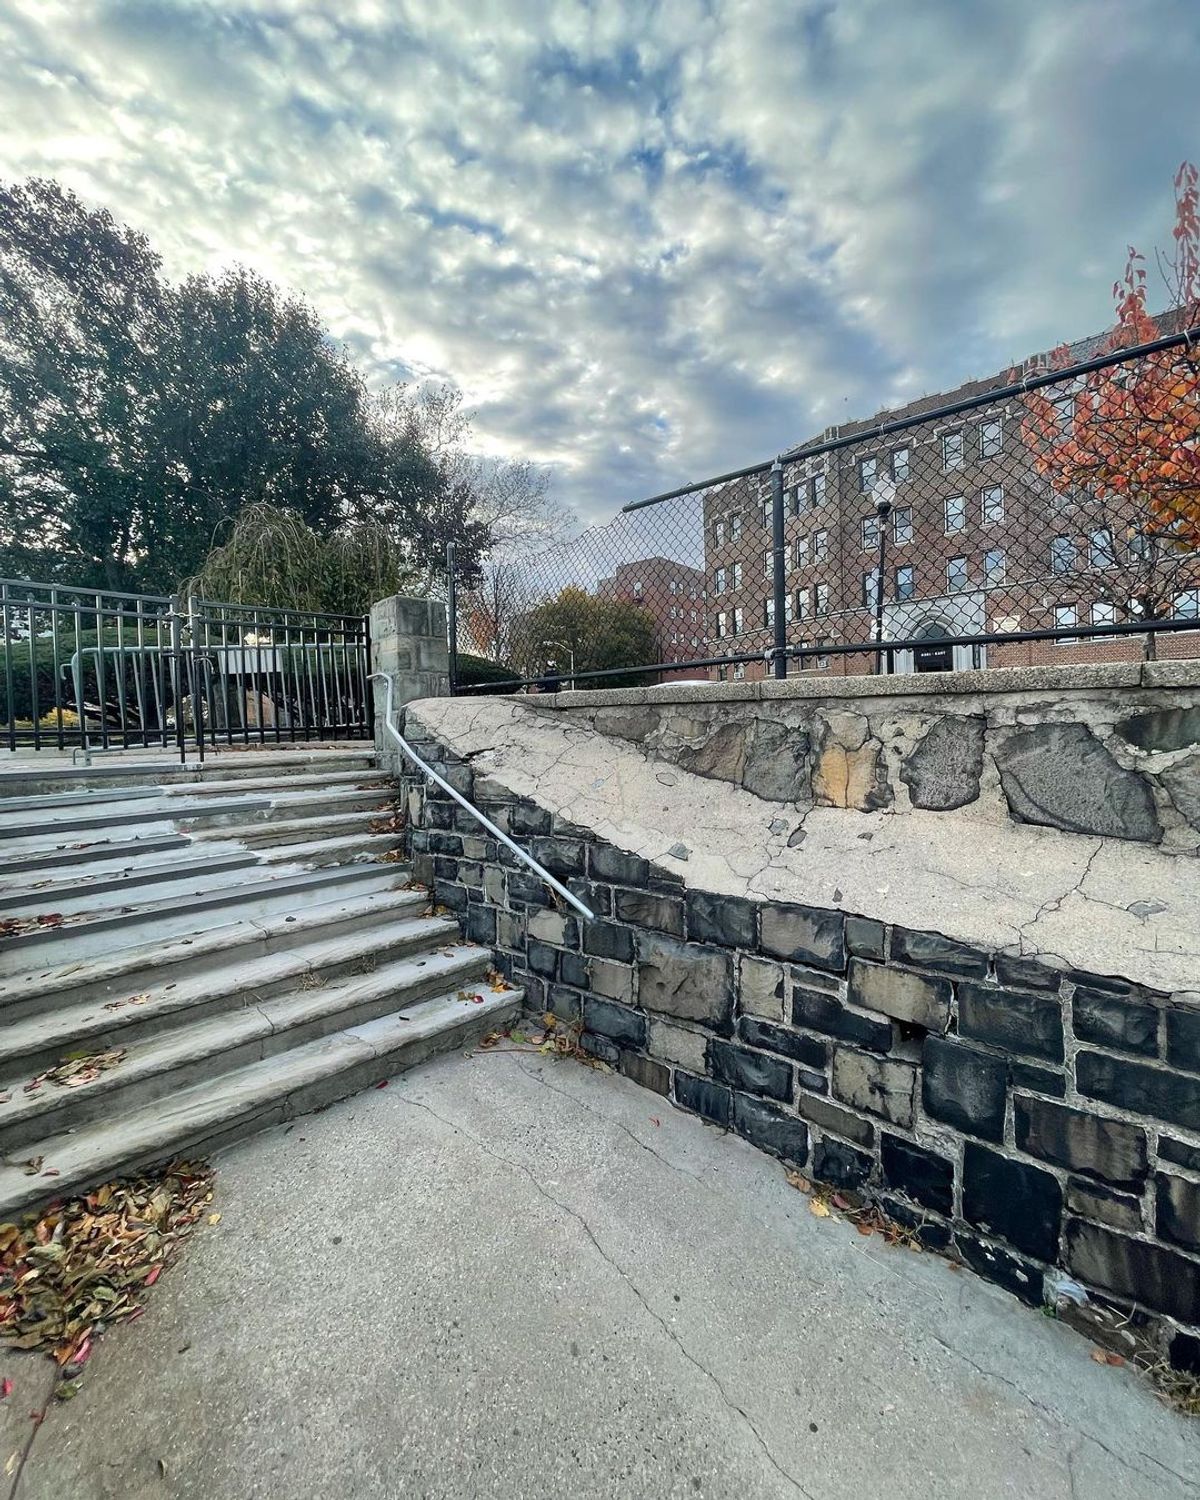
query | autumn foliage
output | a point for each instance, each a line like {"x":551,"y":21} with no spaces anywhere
{"x":1128,"y":437}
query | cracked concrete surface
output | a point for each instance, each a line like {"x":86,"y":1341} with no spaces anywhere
{"x":514,"y":1277}
{"x":1009,"y":886}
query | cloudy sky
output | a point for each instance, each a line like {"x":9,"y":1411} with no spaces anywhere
{"x":648,"y":240}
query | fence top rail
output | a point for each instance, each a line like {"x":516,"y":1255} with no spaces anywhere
{"x":1189,"y":337}
{"x":86,"y":599}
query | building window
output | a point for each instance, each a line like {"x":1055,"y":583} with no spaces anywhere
{"x":1062,"y":554}
{"x":769,"y":612}
{"x":994,"y":568}
{"x":1187,"y":605}
{"x":867,"y":469}
{"x":821,"y":598}
{"x":900,"y":465}
{"x":956,"y":513}
{"x":637,"y":588}
{"x":739,"y":622}
{"x":818,"y":490}
{"x":739,"y":671}
{"x":820,"y":545}
{"x":823,"y":659}
{"x":769,"y":565}
{"x":956,"y":575}
{"x":719,"y":581}
{"x":991,"y":439}
{"x":735,"y":528}
{"x":869,"y":532}
{"x":1100,"y":548}
{"x":802,"y":604}
{"x":870,"y":588}
{"x":768,"y":511}
{"x":722,"y":624}
{"x":798,"y":498}
{"x":902,"y":526}
{"x":952,"y":450}
{"x":719,"y":533}
{"x":993,"y":505}
{"x":1065,"y":615}
{"x":906,"y":582}
{"x":674,"y":586}
{"x":1103,"y":613}
{"x":737,"y":575}
{"x":802,"y":552}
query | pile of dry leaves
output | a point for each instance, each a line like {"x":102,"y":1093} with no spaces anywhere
{"x":69,"y":1273}
{"x":555,"y":1038}
{"x":868,"y":1218}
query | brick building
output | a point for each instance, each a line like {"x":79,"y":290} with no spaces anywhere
{"x":977,"y":542}
{"x":673,"y":595}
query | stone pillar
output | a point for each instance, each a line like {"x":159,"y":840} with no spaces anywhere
{"x":409,"y":645}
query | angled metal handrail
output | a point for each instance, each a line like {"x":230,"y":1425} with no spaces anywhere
{"x":497,"y":833}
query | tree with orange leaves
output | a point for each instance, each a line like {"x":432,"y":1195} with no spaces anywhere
{"x":1121,"y":449}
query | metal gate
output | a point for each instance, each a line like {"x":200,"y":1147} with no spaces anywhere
{"x":96,"y":670}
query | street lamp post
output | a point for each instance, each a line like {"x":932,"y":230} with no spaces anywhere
{"x":883,"y":494}
{"x":570,"y":650}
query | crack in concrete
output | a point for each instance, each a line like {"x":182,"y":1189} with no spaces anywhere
{"x":608,"y":1259}
{"x":1054,"y":903}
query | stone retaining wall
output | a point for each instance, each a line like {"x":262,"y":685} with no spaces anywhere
{"x":1041,"y":1126}
{"x":1111,"y":750}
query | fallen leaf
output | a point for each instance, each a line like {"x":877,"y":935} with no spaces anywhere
{"x":1107,"y":1357}
{"x":214,"y":1218}
{"x":382,"y":1084}
{"x":5,"y":1388}
{"x":819,"y":1207}
{"x":654,"y":1120}
{"x":798,"y":1181}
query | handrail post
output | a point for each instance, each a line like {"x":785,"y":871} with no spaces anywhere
{"x":452,"y":613}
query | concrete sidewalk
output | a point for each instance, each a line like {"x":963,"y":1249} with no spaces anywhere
{"x":503,"y":1276}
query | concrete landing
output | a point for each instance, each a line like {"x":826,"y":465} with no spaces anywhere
{"x":511,"y":1277}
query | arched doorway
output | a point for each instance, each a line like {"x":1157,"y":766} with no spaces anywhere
{"x":938,"y":654}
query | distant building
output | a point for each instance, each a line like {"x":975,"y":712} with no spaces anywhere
{"x":977,"y":543}
{"x":673,"y":595}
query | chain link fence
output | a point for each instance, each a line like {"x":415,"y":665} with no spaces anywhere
{"x":1053,"y":518}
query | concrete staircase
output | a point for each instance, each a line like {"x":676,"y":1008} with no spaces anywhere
{"x":243,"y":935}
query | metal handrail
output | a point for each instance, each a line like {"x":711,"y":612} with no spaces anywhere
{"x":497,"y":833}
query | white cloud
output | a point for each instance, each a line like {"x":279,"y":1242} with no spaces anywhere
{"x":648,"y":242}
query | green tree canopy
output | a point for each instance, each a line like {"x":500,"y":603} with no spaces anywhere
{"x":603,"y":634}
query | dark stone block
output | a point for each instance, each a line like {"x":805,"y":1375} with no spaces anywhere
{"x":770,"y":1129}
{"x":543,"y":960}
{"x":445,"y":868}
{"x":841,"y":1166}
{"x":1012,"y":1201}
{"x":453,"y":897}
{"x":601,"y":1047}
{"x":606,"y":940}
{"x":711,"y":1100}
{"x":1110,"y":1022}
{"x":1162,"y":729}
{"x":481,"y":925}
{"x":916,"y":999}
{"x":833,"y":1117}
{"x":562,"y":857}
{"x":866,"y":938}
{"x":687,"y":980}
{"x":445,"y":843}
{"x":1025,"y":1075}
{"x":647,"y":1072}
{"x":1147,"y":1274}
{"x":617,"y":1022}
{"x":1060,"y":775}
{"x":788,"y":1043}
{"x":752,"y":1071}
{"x":597,"y":898}
{"x":964,"y":1087}
{"x":943,"y":768}
{"x":883,"y":1086}
{"x":617,"y":867}
{"x":1026,"y":973}
{"x":1184,"y":1353}
{"x":1098,"y":1147}
{"x":932,"y":1234}
{"x":1183,"y":1037}
{"x":1142,"y":1090}
{"x":573,"y":970}
{"x":804,"y":933}
{"x":1179,"y":1152}
{"x":923,"y":1175}
{"x":815,"y":1083}
{"x":440,"y":815}
{"x":645,"y":910}
{"x":1030,"y":1024}
{"x":526,"y":819}
{"x":728,"y":920}
{"x":1091,"y":1200}
{"x":1178,"y":1211}
{"x":820,"y":1012}
{"x":526,"y":889}
{"x":566,"y":1004}
{"x":930,"y":950}
{"x":999,"y":1266}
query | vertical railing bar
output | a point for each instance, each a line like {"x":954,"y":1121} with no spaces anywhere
{"x":9,"y":689}
{"x":56,"y":682}
{"x":35,"y":695}
{"x":778,"y":572}
{"x":120,"y":669}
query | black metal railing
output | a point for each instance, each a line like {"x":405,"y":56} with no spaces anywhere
{"x":102,"y":670}
{"x":1050,"y":517}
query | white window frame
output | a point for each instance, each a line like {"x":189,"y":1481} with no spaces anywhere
{"x":962,"y":587}
{"x":902,"y":534}
{"x":961,"y":502}
{"x":992,"y":580}
{"x":987,"y":514}
{"x":996,"y":423}
{"x":910,"y":569}
{"x":1060,"y":610}
{"x":949,"y":463}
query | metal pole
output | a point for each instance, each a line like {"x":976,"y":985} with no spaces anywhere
{"x":779,"y":571}
{"x":452,"y":614}
{"x":883,"y":509}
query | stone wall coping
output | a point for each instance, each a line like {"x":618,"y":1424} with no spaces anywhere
{"x":1100,"y":905}
{"x":1079,"y":678}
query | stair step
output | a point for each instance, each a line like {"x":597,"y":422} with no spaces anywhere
{"x":293,"y":830}
{"x":184,"y":1054}
{"x":30,"y":1044}
{"x":99,"y":797}
{"x":207,"y":1115}
{"x":88,"y":935}
{"x":135,"y":969}
{"x":52,"y":856}
{"x":27,"y":778}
